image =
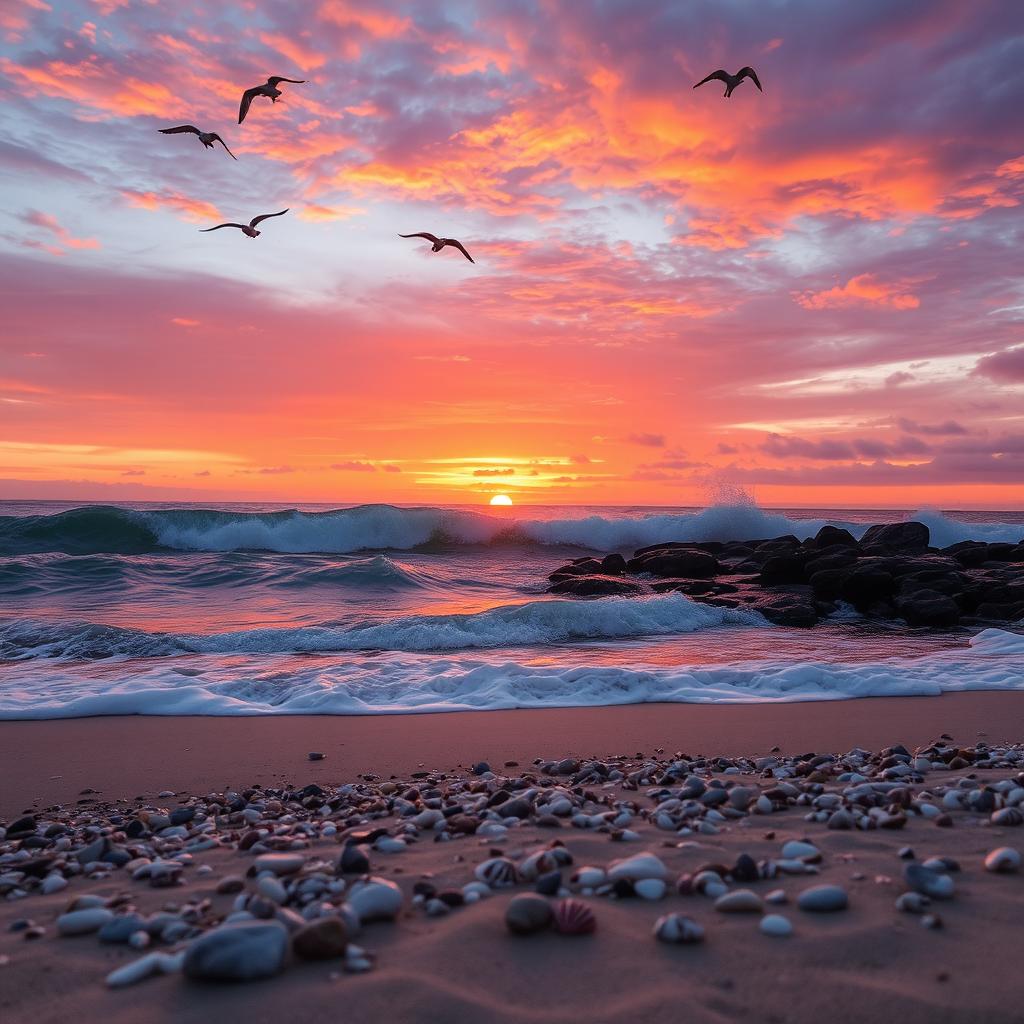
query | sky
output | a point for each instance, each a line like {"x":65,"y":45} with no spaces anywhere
{"x":812,"y":295}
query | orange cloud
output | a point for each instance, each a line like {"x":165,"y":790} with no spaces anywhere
{"x":865,"y":289}
{"x":193,"y":209}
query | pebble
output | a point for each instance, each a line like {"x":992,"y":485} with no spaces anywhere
{"x":929,"y":883}
{"x":650,"y":888}
{"x":280,"y":863}
{"x":912,"y":903}
{"x":637,"y":868}
{"x":244,"y":951}
{"x":323,"y":939}
{"x":740,"y":901}
{"x":145,"y":967}
{"x":796,"y":849}
{"x":823,"y":899}
{"x":83,"y":922}
{"x":526,"y":914}
{"x":776,"y":925}
{"x":678,"y":929}
{"x":1003,"y":860}
{"x":316,"y":755}
{"x":376,"y":899}
{"x":353,"y":861}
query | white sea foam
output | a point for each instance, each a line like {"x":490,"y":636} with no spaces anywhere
{"x":532,"y":623}
{"x":405,"y":683}
{"x":380,"y":527}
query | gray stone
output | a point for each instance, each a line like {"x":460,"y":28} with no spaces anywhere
{"x":244,"y":951}
{"x":822,"y":899}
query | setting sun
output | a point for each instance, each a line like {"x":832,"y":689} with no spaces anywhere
{"x":501,"y":499}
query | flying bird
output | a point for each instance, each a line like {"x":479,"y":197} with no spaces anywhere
{"x":437,"y":244}
{"x":206,"y":138}
{"x":270,"y":90}
{"x":250,"y":228}
{"x":731,"y":81}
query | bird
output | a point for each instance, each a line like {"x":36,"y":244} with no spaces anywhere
{"x":731,"y":81}
{"x":437,"y":244}
{"x":250,"y":228}
{"x":206,"y":138}
{"x":270,"y":90}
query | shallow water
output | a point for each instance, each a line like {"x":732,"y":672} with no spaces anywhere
{"x":261,"y":609}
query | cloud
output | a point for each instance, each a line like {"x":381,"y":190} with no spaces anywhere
{"x":1005,"y":367}
{"x":64,"y":239}
{"x":354,"y":466}
{"x":932,"y":429}
{"x":865,"y":289}
{"x":646,"y":440}
{"x":494,"y":472}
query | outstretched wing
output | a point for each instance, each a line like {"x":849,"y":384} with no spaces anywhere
{"x":421,"y":234}
{"x":181,"y":128}
{"x":228,"y":225}
{"x":225,"y":145}
{"x":247,"y":98}
{"x":752,"y":75}
{"x":264,"y":216}
{"x":458,"y":245}
{"x":718,"y":75}
{"x":276,"y":80}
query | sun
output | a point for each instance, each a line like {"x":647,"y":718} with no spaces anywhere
{"x":501,"y":499}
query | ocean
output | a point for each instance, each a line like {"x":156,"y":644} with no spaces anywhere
{"x":261,"y":608}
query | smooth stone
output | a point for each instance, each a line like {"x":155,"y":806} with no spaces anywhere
{"x":929,"y":883}
{"x":526,"y":914}
{"x":1003,"y":860}
{"x":678,"y":929}
{"x":83,"y":922}
{"x":353,"y":861}
{"x":637,"y":868}
{"x":272,"y":889}
{"x":144,"y":967}
{"x":795,"y":849}
{"x":650,"y":888}
{"x":740,"y":901}
{"x":280,"y":863}
{"x":230,"y":884}
{"x":53,"y":883}
{"x":776,"y":925}
{"x":376,"y":899}
{"x":322,"y":939}
{"x":912,"y":903}
{"x":243,"y":951}
{"x":823,"y":899}
{"x":122,"y":927}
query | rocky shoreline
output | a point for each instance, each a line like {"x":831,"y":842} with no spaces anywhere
{"x":891,"y":573}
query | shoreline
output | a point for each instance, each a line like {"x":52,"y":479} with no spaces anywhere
{"x":55,"y":760}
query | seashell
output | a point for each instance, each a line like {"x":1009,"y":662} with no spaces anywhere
{"x":678,"y":928}
{"x":497,"y":872}
{"x":542,"y":862}
{"x":573,"y":917}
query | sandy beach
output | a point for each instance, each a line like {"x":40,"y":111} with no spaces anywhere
{"x":868,"y":961}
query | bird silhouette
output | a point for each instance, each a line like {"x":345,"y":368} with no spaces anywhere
{"x":437,"y":244}
{"x":250,"y":228}
{"x":731,"y":81}
{"x":206,"y":138}
{"x":270,"y":90}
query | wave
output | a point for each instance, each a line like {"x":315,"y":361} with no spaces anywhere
{"x":404,"y":683}
{"x":533,"y":623}
{"x":108,"y":529}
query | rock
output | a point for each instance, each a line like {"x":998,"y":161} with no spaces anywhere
{"x":678,"y":929}
{"x":822,"y":899}
{"x":376,"y":899}
{"x":1003,"y":861}
{"x":353,"y":861}
{"x":797,"y":849}
{"x":831,"y":536}
{"x":481,"y":768}
{"x":144,"y":967}
{"x":776,"y":925}
{"x":122,"y":927}
{"x":933,"y":884}
{"x":912,"y":903}
{"x":270,"y":887}
{"x":1011,"y":816}
{"x":866,"y":585}
{"x":230,"y":884}
{"x":280,"y":863}
{"x":595,"y":586}
{"x":740,"y":901}
{"x":650,"y":888}
{"x":243,"y":951}
{"x":613,"y":565}
{"x":929,"y":608}
{"x":324,"y":938}
{"x":316,"y":755}
{"x":907,"y":538}
{"x":688,"y":562}
{"x":526,"y":914}
{"x":745,"y":869}
{"x":83,"y":922}
{"x":637,"y":867}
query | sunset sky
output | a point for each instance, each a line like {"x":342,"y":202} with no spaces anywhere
{"x":814,"y":294}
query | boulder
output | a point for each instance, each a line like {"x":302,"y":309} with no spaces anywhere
{"x":929,"y":608}
{"x":836,"y":557}
{"x":788,"y":609}
{"x":595,"y":586}
{"x":613,"y":565}
{"x":676,"y":562}
{"x":833,"y":536}
{"x":784,"y":568}
{"x":863,"y":586}
{"x":910,"y":538}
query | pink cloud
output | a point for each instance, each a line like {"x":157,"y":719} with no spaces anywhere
{"x":865,"y":289}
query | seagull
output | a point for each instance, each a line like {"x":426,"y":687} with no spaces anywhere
{"x":206,"y":138}
{"x":250,"y":228}
{"x":270,"y":90}
{"x":731,"y":81}
{"x":439,"y":243}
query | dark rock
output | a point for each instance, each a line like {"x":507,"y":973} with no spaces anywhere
{"x":910,"y":538}
{"x":324,"y":938}
{"x":353,"y":861}
{"x":833,"y":536}
{"x":864,"y":585}
{"x":595,"y":586}
{"x":22,"y":827}
{"x":787,"y":609}
{"x":676,"y":562}
{"x":837,"y":557}
{"x":243,"y":951}
{"x":182,"y":815}
{"x":613,"y":565}
{"x":929,"y":608}
{"x":784,"y":568}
